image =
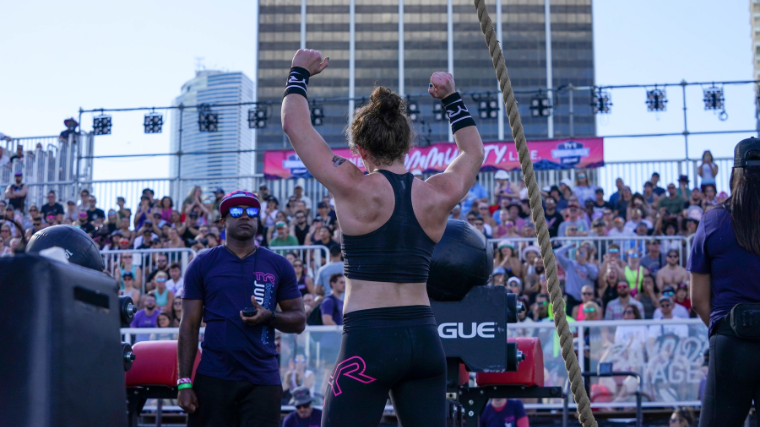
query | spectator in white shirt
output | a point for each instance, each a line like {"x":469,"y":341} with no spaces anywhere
{"x":175,"y":283}
{"x":668,"y":308}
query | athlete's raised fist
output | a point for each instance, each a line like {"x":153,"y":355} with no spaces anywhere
{"x":441,"y":85}
{"x":311,"y":60}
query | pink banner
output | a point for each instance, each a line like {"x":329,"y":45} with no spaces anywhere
{"x":581,"y":153}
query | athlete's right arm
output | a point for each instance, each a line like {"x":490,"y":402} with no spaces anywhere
{"x":456,"y":180}
{"x":187,"y":348}
{"x":334,"y":172}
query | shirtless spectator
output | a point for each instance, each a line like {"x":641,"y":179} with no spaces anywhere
{"x":672,"y":274}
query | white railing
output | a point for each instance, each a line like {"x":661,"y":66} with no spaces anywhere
{"x":314,"y":255}
{"x":667,"y":354}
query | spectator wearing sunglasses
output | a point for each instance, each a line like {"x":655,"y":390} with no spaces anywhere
{"x":587,"y":295}
{"x":670,"y":310}
{"x":616,"y":308}
{"x":583,"y":188}
{"x":238,"y":378}
{"x":672,"y":274}
{"x":541,"y":307}
{"x":305,"y":414}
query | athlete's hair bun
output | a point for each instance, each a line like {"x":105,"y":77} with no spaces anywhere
{"x":386,"y":102}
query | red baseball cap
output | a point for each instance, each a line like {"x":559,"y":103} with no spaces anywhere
{"x":238,"y":198}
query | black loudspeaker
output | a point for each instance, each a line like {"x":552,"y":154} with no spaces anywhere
{"x":61,"y":358}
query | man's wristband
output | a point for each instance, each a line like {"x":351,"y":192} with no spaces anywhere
{"x":184,"y":381}
{"x":298,"y":81}
{"x":459,"y":116}
{"x":184,"y":386}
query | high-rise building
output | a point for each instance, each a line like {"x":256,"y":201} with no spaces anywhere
{"x":220,"y":149}
{"x":400,"y":43}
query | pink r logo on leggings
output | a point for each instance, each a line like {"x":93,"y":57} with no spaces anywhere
{"x":353,"y":367}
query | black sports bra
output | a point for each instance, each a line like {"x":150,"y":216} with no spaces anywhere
{"x":399,"y":251}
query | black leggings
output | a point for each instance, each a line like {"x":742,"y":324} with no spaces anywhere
{"x":733,"y":380}
{"x":396,"y":350}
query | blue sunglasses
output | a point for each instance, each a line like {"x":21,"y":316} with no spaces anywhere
{"x":237,"y":212}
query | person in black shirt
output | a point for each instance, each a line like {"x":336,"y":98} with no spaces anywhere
{"x":300,"y":227}
{"x":553,"y":218}
{"x":84,"y":224}
{"x":94,"y":212}
{"x":325,"y":238}
{"x":191,"y":227}
{"x":16,"y":193}
{"x":52,"y":207}
{"x":599,"y":204}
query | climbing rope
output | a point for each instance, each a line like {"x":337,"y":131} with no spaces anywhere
{"x":558,"y":303}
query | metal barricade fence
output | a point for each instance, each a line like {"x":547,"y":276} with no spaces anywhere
{"x":146,"y":260}
{"x":666,"y":353}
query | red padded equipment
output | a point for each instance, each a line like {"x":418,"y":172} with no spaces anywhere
{"x":464,"y":376}
{"x":156,"y":364}
{"x":530,"y":371}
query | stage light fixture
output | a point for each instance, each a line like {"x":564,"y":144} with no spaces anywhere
{"x":101,"y":125}
{"x":317,"y":115}
{"x":257,"y":117}
{"x":601,"y":101}
{"x":540,"y":106}
{"x":657,"y":99}
{"x":412,"y":110}
{"x":438,"y":114}
{"x":714,"y":99}
{"x":208,"y":121}
{"x":488,"y":107}
{"x":153,"y":122}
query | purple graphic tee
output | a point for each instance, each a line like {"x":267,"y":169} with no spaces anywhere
{"x":233,"y":350}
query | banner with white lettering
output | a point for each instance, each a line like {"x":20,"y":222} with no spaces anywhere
{"x":578,"y":153}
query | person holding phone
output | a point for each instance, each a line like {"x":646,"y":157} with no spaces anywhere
{"x":235,"y":289}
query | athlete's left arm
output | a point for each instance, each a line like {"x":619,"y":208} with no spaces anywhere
{"x":701,"y":287}
{"x":334,"y":172}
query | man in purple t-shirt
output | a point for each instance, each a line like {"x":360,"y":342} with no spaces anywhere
{"x":332,"y":306}
{"x":504,"y":413}
{"x":146,"y":318}
{"x":238,"y":379}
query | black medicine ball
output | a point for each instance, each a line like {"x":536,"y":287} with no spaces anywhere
{"x":462,"y":259}
{"x":79,"y":247}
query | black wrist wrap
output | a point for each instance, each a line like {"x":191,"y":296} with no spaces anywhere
{"x":459,"y":116}
{"x":298,"y":82}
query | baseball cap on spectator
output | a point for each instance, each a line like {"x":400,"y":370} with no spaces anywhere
{"x":683,"y":178}
{"x":279,"y":224}
{"x":70,"y":202}
{"x":694,"y":215}
{"x":117,"y":233}
{"x":18,"y":173}
{"x":669,"y":289}
{"x":530,"y":248}
{"x":321,"y":205}
{"x":82,"y":214}
{"x":567,"y":182}
{"x":653,"y":242}
{"x":665,"y":298}
{"x":301,"y":396}
{"x":501,"y":175}
{"x":417,"y":172}
{"x":747,"y":152}
{"x":683,"y":285}
{"x":127,"y":274}
{"x":499,"y":270}
{"x":599,"y":190}
{"x":506,"y":244}
{"x":514,"y":281}
{"x":238,"y":198}
{"x":219,"y":190}
{"x":597,"y":223}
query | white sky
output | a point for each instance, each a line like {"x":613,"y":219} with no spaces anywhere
{"x":59,"y":56}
